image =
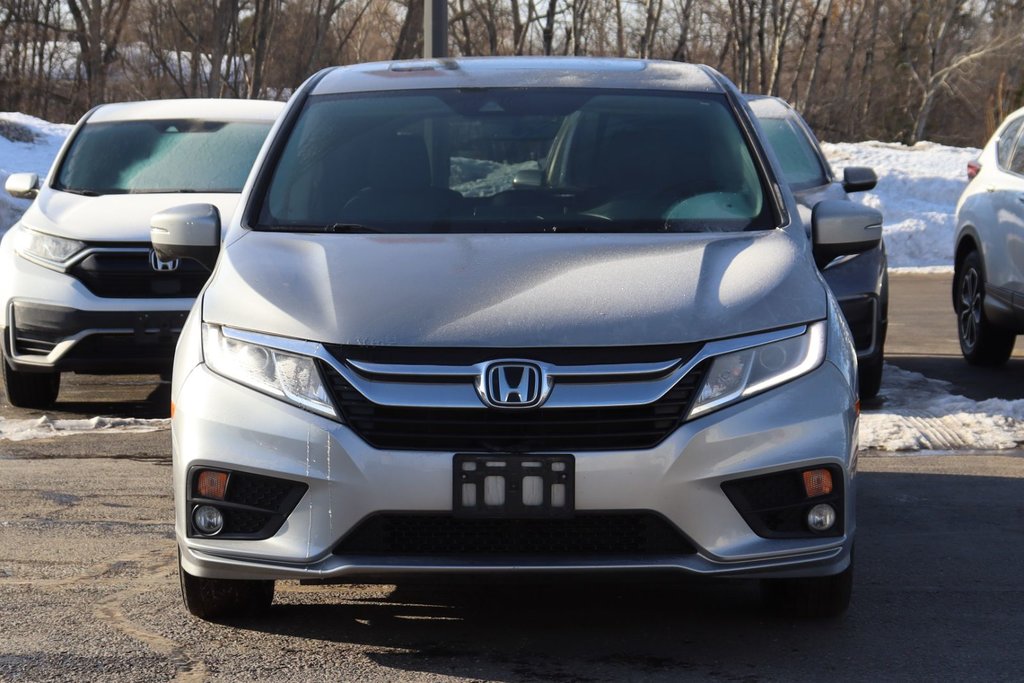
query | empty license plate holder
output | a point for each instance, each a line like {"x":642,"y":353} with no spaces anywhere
{"x":513,"y":486}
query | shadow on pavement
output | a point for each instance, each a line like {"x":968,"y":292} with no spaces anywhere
{"x":937,"y":591}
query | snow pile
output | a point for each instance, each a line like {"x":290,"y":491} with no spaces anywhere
{"x":27,"y":145}
{"x":44,"y":427}
{"x":917,"y":191}
{"x":920,"y":414}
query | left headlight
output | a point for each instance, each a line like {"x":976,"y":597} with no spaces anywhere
{"x":288,"y":376}
{"x":46,"y":250}
{"x":740,"y":374}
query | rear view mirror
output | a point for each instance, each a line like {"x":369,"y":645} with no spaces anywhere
{"x":842,"y":227}
{"x":191,"y":231}
{"x":859,"y":179}
{"x":22,"y":185}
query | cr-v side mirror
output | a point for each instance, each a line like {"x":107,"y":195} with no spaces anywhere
{"x":22,"y":185}
{"x":191,"y":231}
{"x":840,"y":227}
{"x":859,"y":179}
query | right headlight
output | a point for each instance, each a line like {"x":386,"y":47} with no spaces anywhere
{"x":291,"y":377}
{"x":740,"y":374}
{"x":46,"y":250}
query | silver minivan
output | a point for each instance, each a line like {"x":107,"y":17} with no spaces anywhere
{"x":531,"y":316}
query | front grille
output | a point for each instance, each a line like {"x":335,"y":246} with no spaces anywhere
{"x":587,"y":534}
{"x":495,"y":430}
{"x":128,"y":275}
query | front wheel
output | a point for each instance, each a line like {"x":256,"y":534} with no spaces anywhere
{"x":816,"y":596}
{"x":981,"y":342}
{"x":869,"y":376}
{"x":214,"y":599}
{"x":30,"y":389}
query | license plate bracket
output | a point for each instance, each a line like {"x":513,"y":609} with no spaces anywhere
{"x":513,"y":486}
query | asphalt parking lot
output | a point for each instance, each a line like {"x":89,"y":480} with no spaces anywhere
{"x":88,"y":584}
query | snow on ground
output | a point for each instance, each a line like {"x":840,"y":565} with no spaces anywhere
{"x":919,"y":414}
{"x":44,"y":427}
{"x":28,"y":145}
{"x":917,"y":192}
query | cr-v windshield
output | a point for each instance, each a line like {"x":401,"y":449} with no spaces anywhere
{"x":515,"y":160}
{"x":134,"y":157}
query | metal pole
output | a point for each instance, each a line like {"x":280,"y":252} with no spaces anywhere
{"x":435,"y":28}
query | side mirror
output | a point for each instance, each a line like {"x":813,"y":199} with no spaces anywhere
{"x":859,"y":179}
{"x":840,"y":227}
{"x":527,"y":178}
{"x":191,"y":231}
{"x":22,"y":185}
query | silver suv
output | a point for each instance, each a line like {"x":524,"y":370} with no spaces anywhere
{"x":515,"y":315}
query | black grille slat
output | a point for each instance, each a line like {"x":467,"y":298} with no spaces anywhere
{"x":487,"y":429}
{"x":588,"y":533}
{"x":129,"y":275}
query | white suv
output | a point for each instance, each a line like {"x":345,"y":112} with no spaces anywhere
{"x":988,"y":288}
{"x":80,"y":285}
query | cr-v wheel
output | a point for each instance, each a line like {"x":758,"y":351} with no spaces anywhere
{"x":30,"y":389}
{"x":214,"y":599}
{"x":981,"y":342}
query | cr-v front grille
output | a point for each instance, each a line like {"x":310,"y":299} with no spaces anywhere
{"x":478,"y":428}
{"x":128,"y":274}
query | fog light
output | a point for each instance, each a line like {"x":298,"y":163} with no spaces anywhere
{"x":821,"y":517}
{"x":209,"y":520}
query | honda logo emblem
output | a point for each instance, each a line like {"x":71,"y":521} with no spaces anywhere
{"x":158,"y":264}
{"x":513,"y":384}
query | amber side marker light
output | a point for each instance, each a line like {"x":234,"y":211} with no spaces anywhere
{"x":172,"y":408}
{"x":817,"y":483}
{"x":211,"y":484}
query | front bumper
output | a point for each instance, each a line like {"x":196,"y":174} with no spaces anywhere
{"x":217,"y":423}
{"x":39,"y":336}
{"x":51,"y":321}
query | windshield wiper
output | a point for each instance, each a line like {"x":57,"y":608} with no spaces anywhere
{"x":351,"y":228}
{"x":83,"y":193}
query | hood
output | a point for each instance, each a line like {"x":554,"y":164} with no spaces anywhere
{"x":114,"y":217}
{"x":514,"y":291}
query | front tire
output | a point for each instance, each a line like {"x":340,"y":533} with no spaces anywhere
{"x":981,"y":342}
{"x":216,"y":599}
{"x":869,"y":376}
{"x":811,"y":597}
{"x":30,"y":389}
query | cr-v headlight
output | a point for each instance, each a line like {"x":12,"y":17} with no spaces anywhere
{"x":737,"y":375}
{"x":46,"y":250}
{"x":288,"y":376}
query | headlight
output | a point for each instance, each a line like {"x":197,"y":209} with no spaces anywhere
{"x":287,"y":376}
{"x":737,"y":375}
{"x":46,"y":250}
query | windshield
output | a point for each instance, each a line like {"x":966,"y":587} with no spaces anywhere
{"x":801,"y":165}
{"x":515,"y":160}
{"x":122,"y":157}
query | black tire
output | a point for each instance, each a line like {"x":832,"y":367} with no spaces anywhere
{"x":981,"y":342}
{"x":812,"y":597}
{"x":869,"y":376}
{"x":30,"y":389}
{"x":216,"y":599}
